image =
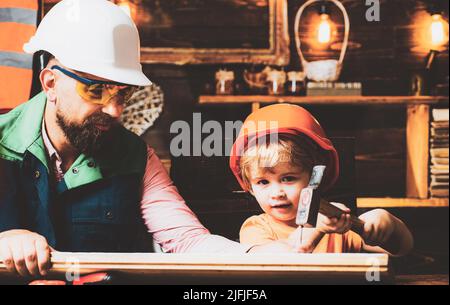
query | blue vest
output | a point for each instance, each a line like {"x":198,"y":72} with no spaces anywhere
{"x":103,"y":216}
{"x":100,"y":214}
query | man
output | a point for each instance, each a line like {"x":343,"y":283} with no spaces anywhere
{"x":72,"y":178}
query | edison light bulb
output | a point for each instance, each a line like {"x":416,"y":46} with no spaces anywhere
{"x":324,"y":33}
{"x":437,"y":30}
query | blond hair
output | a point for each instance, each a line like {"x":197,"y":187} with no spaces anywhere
{"x":297,"y":150}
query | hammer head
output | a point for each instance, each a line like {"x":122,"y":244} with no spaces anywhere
{"x":308,"y":207}
{"x":309,"y":202}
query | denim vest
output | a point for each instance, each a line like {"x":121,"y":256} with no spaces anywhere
{"x":95,"y":209}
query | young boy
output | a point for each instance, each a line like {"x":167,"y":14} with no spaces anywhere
{"x":272,"y":158}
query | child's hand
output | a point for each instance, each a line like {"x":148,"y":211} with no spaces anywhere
{"x":335,"y":225}
{"x":304,"y":240}
{"x":378,"y":228}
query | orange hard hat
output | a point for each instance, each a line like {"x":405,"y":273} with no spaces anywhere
{"x":284,"y":119}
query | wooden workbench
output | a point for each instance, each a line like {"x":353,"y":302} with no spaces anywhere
{"x":157,"y":268}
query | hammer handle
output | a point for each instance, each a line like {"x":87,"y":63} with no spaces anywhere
{"x":330,"y":210}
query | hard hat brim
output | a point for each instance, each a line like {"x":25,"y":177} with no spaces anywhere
{"x":124,"y":75}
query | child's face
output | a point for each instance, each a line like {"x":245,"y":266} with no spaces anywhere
{"x":277,"y":189}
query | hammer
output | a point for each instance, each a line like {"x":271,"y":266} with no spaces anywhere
{"x":311,"y":203}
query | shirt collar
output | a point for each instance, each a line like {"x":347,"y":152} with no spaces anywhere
{"x":20,"y":130}
{"x":48,"y":144}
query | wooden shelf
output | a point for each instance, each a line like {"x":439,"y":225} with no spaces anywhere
{"x":324,"y":100}
{"x":376,"y":202}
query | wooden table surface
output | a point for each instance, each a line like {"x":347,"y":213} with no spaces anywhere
{"x":191,"y":269}
{"x":157,"y":268}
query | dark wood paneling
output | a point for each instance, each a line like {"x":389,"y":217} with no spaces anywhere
{"x":384,"y":64}
{"x":389,"y":49}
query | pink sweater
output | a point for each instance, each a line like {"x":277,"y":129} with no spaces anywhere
{"x":173,"y":225}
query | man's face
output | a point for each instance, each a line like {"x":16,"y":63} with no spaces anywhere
{"x":90,"y":136}
{"x":87,"y":126}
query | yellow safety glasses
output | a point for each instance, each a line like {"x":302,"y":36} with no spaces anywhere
{"x":99,"y":92}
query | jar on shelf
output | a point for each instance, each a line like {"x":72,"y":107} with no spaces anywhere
{"x":224,"y":82}
{"x":296,"y":84}
{"x":275,"y":82}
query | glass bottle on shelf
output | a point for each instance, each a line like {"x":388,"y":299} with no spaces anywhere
{"x":275,"y":82}
{"x":296,"y":83}
{"x":224,"y":82}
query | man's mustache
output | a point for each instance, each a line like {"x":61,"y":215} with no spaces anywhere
{"x":102,"y":119}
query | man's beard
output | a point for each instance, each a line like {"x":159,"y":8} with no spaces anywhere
{"x":86,"y":138}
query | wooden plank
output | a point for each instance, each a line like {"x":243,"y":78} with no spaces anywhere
{"x":212,"y":266}
{"x":324,"y":100}
{"x":417,"y":151}
{"x":150,"y":260}
{"x":372,"y":202}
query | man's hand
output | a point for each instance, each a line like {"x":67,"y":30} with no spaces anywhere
{"x":378,"y":227}
{"x":335,"y":225}
{"x":24,"y":252}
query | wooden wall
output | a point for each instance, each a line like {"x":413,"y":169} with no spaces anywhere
{"x":387,"y":59}
{"x":383,"y":55}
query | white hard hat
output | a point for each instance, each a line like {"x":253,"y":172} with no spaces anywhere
{"x":92,"y":36}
